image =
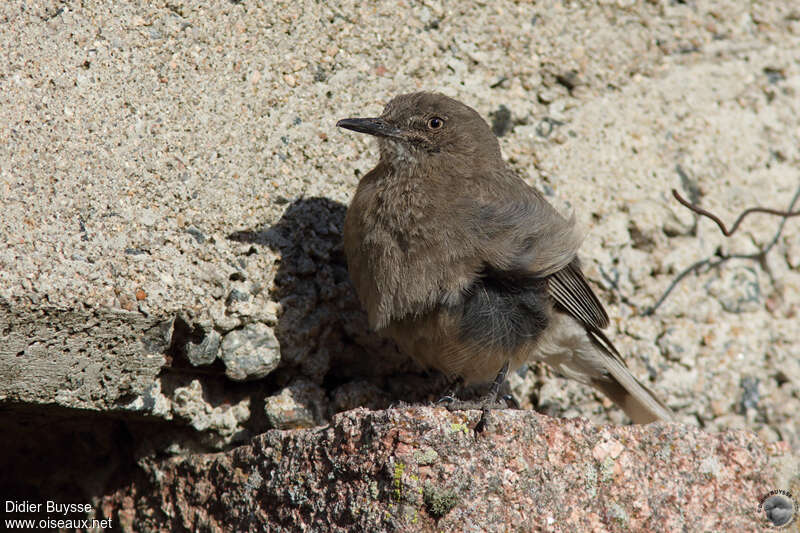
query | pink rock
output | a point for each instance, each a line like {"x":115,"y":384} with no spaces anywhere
{"x":426,"y":469}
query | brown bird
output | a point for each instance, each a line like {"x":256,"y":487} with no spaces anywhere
{"x":469,"y":269}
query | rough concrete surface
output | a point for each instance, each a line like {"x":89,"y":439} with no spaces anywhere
{"x":173,"y":189}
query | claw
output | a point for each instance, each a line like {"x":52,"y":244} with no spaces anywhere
{"x":511,"y":401}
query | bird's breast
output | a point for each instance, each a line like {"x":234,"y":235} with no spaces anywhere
{"x":396,"y":248}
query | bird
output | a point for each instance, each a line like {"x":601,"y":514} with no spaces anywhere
{"x":467,"y":267}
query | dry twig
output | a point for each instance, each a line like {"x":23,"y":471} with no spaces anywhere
{"x":720,"y":257}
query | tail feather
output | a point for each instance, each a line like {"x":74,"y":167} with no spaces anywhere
{"x":585,"y":354}
{"x":637,"y":400}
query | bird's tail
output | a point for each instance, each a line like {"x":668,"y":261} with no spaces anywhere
{"x":587,"y":355}
{"x":638,"y":402}
{"x":636,"y":399}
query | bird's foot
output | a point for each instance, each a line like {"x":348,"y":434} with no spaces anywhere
{"x":490,"y":401}
{"x":511,"y":402}
{"x":450,"y":397}
{"x":453,"y":404}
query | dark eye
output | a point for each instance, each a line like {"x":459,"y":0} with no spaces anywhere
{"x":435,"y":123}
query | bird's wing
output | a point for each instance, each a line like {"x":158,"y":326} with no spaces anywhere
{"x":524,"y":238}
{"x":569,"y":288}
{"x":522,"y":234}
{"x":572,"y":293}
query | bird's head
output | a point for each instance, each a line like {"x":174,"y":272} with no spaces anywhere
{"x":419,"y":127}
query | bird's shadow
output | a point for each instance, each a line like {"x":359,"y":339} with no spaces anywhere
{"x":322,"y":329}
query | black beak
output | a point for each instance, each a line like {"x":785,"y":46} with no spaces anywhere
{"x":372,"y":126}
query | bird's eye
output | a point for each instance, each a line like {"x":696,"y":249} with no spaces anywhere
{"x":435,"y":123}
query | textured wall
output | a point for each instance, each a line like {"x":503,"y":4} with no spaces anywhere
{"x":173,"y":189}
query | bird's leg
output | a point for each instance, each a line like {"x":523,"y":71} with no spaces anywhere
{"x":494,"y":390}
{"x":450,"y":396}
{"x":490,"y":400}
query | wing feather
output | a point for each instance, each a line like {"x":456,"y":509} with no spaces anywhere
{"x":570,"y":289}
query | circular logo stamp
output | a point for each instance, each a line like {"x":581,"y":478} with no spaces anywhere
{"x":778,"y":509}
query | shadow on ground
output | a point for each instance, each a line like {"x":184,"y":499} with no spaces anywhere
{"x":51,"y":453}
{"x":323,"y":332}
